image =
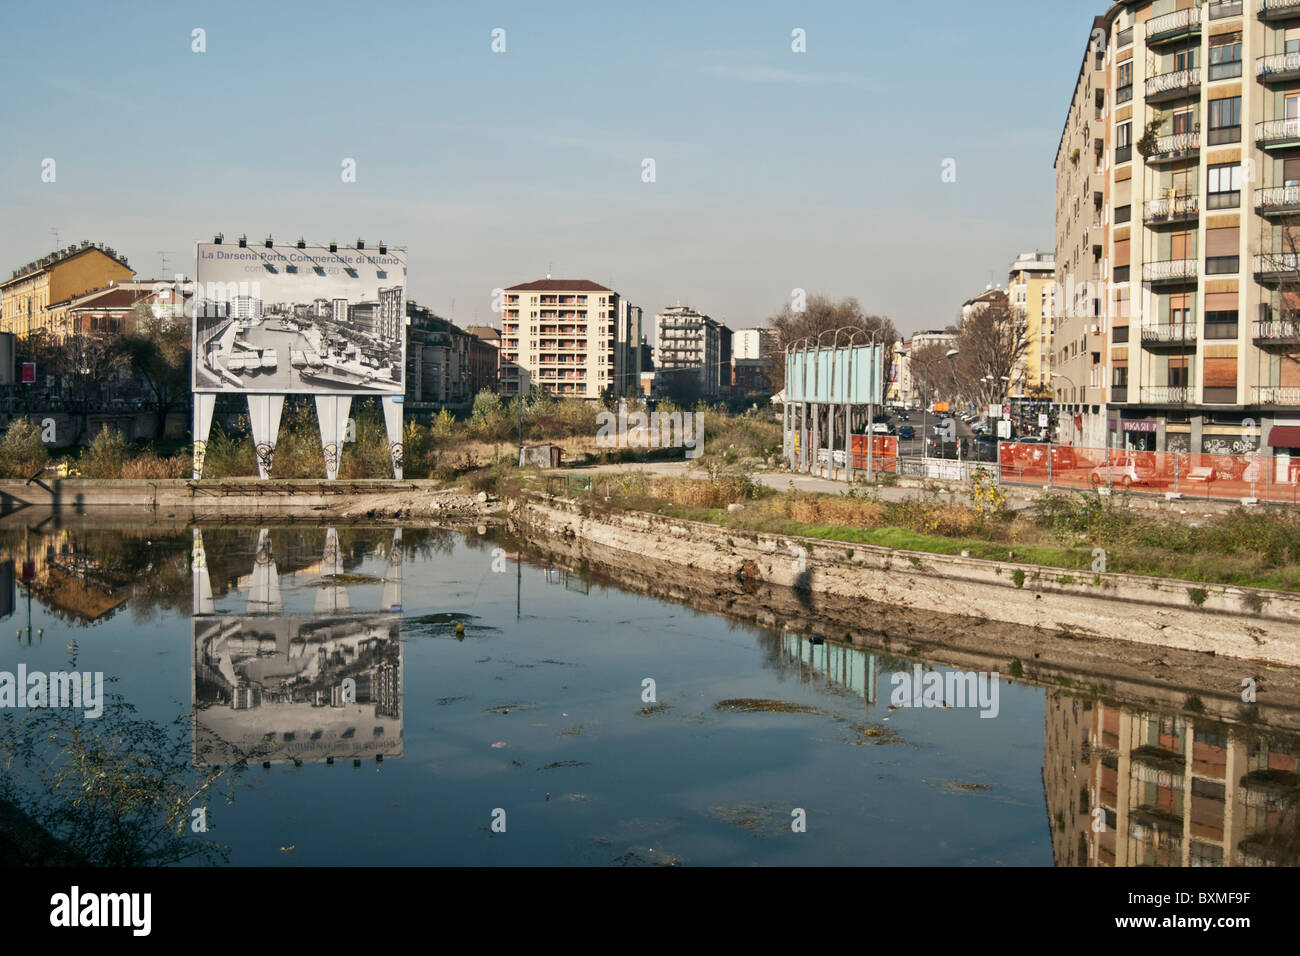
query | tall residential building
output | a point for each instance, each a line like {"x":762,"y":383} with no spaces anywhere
{"x":37,"y":296}
{"x":688,"y":340}
{"x":1030,"y":291}
{"x":562,"y":334}
{"x":750,"y":343}
{"x":1177,"y":170}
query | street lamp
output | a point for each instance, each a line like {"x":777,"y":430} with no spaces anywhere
{"x":925,"y":440}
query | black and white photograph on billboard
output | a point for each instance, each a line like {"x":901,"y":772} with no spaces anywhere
{"x":299,"y":319}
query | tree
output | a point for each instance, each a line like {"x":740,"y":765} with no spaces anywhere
{"x":992,"y":342}
{"x":158,"y":350}
{"x":934,"y":376}
{"x":821,"y":315}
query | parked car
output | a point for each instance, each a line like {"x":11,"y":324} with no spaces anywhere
{"x":1133,"y":470}
{"x":882,"y":428}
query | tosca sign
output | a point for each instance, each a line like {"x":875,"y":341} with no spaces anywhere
{"x":1139,"y":426}
{"x":833,"y":376}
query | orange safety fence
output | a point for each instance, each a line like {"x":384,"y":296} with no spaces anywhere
{"x":884,"y":452}
{"x":1191,"y":474}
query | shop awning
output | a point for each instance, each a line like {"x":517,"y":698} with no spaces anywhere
{"x":1284,"y":436}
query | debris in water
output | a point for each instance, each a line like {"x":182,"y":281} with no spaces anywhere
{"x":753,"y":705}
{"x":498,"y":745}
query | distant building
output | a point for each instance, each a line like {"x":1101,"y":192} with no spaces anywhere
{"x":561,"y":335}
{"x":689,"y":354}
{"x":1030,"y":285}
{"x":750,"y":343}
{"x":37,"y":296}
{"x":484,"y":358}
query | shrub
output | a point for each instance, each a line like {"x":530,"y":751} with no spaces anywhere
{"x":105,"y":455}
{"x":22,"y":453}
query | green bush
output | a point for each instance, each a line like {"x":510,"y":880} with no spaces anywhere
{"x":22,"y":453}
{"x":104,"y":457}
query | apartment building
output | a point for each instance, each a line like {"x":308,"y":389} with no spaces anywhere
{"x":907,"y":391}
{"x":37,"y":296}
{"x":1178,"y":184}
{"x":687,"y":339}
{"x":484,"y":358}
{"x":562,"y":335}
{"x":1031,"y":283}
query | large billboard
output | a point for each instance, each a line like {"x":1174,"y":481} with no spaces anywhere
{"x":847,"y":376}
{"x":299,"y":319}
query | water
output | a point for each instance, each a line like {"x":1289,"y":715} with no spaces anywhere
{"x":537,"y":718}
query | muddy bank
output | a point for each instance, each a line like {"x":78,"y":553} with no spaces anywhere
{"x":1244,"y":623}
{"x":1152,"y":678}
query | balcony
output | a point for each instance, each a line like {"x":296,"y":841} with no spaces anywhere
{"x":1174,"y":26}
{"x":1170,"y":272}
{"x":1274,"y":267}
{"x":1156,"y":337}
{"x":1277,"y":134}
{"x":1277,"y":395}
{"x":1278,"y":9}
{"x":1166,"y":394}
{"x":1119,"y":393}
{"x":1171,"y":86}
{"x":1277,"y":200}
{"x":1276,"y":334}
{"x":1175,"y":146}
{"x":1278,"y":68}
{"x":1158,"y":212}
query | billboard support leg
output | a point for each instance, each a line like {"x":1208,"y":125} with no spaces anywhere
{"x":393,"y":422}
{"x":332,"y":415}
{"x":202,"y":582}
{"x":264,"y":416}
{"x":204,"y":403}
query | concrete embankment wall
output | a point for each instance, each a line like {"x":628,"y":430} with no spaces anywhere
{"x":239,"y":497}
{"x":1247,"y":623}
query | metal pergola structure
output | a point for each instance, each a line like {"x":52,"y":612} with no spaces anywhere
{"x":805,"y":420}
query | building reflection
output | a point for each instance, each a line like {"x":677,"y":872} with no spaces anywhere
{"x":846,"y":668}
{"x":1128,"y":787}
{"x":303,"y":685}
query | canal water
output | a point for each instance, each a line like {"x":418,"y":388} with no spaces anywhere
{"x":411,"y":696}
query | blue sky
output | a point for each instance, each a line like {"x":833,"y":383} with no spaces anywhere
{"x":774,"y":169}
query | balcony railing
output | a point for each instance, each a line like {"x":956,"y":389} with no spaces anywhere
{"x":1184,"y":334}
{"x":1277,"y":199}
{"x":1168,"y":85}
{"x":1170,"y":270}
{"x":1176,"y":24}
{"x":1175,"y":144}
{"x":1278,"y":132}
{"x":1166,"y":394}
{"x":1277,"y":395}
{"x":1276,"y":332}
{"x":1277,"y":265}
{"x":1279,"y":66}
{"x":1167,"y":209}
{"x":1278,"y":9}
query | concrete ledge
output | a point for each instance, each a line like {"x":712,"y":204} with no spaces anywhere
{"x":1246,"y":623}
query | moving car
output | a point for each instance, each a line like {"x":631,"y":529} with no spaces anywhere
{"x":906,"y":432}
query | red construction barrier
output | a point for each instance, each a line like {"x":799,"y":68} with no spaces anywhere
{"x":884,"y":452}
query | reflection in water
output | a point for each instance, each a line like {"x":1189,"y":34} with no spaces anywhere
{"x":296,"y":687}
{"x":1126,"y":787}
{"x":295,"y":655}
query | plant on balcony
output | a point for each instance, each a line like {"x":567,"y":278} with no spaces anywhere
{"x":1150,"y":139}
{"x":1074,"y":157}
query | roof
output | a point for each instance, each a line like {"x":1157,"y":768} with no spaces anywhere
{"x":111,"y":298}
{"x":60,"y":256}
{"x":483,"y":331}
{"x":558,"y":285}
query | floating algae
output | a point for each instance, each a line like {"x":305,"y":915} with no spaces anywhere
{"x":757,"y":705}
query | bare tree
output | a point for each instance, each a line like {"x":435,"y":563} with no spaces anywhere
{"x":992,"y":342}
{"x":820,"y":315}
{"x":934,"y":376}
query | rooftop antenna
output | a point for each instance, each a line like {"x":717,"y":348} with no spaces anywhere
{"x":54,"y":231}
{"x":162,"y":262}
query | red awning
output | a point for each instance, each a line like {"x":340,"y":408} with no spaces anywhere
{"x":1284,"y":436}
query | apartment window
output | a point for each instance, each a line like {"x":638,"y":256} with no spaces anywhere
{"x":1123,"y":213}
{"x":1224,"y":186}
{"x":1221,"y":325}
{"x":1123,"y":142}
{"x":1225,"y":120}
{"x":1178,"y":376}
{"x":1225,"y":8}
{"x":1119,"y":334}
{"x":1120,"y":273}
{"x":1222,"y":265}
{"x":1124,"y":38}
{"x":1225,"y":57}
{"x":1185,"y":60}
{"x":1124,"y":82}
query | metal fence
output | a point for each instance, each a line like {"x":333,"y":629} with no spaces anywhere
{"x":1191,"y":474}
